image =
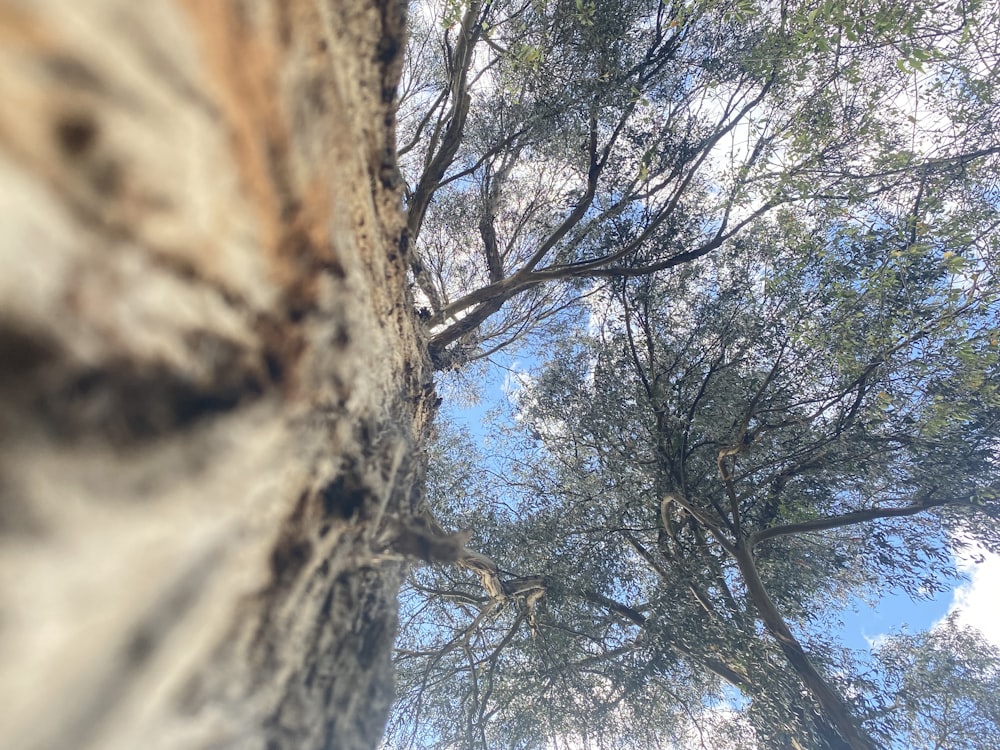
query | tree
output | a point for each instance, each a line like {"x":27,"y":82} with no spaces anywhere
{"x":212,"y":383}
{"x":744,"y":125}
{"x":944,"y":684}
{"x":216,"y":383}
{"x":548,"y":146}
{"x":744,"y":444}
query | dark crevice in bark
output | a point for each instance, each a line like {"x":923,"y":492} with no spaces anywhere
{"x":343,"y":497}
{"x":131,"y":403}
{"x":128,"y":405}
{"x":23,"y":354}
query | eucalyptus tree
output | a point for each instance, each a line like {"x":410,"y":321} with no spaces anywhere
{"x":945,"y":686}
{"x":550,"y":145}
{"x":783,"y":218}
{"x":742,"y":446}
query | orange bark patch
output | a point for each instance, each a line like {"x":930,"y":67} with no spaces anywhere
{"x":19,"y":27}
{"x":243,"y":60}
{"x":253,"y":52}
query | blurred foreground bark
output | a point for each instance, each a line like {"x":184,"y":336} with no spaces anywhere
{"x":212,"y":391}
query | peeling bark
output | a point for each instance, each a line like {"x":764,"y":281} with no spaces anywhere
{"x":212,"y":389}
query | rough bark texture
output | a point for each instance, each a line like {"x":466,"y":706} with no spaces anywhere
{"x":212,"y":389}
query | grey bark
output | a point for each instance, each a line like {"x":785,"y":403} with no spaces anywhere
{"x":212,"y":389}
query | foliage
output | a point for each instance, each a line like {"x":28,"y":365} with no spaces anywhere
{"x":779,"y":221}
{"x":549,"y":145}
{"x":946,"y":688}
{"x":801,"y":381}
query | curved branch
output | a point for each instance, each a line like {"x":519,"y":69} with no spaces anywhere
{"x":922,"y":503}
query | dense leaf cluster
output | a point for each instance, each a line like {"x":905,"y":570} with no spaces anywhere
{"x":775,"y":391}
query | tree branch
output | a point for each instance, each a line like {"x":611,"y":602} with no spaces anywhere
{"x":924,"y":502}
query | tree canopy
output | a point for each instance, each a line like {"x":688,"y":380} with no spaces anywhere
{"x":577,"y":141}
{"x":946,"y":686}
{"x":752,"y":247}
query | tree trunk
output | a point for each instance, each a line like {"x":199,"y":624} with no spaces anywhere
{"x":212,"y":388}
{"x":835,"y":710}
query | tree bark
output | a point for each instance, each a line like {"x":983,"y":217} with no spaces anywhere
{"x":213,"y":391}
{"x":852,"y":735}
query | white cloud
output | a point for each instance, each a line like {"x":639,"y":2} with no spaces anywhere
{"x":515,"y":380}
{"x":978,"y":601}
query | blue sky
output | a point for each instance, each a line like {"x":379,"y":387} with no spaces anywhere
{"x":866,"y":625}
